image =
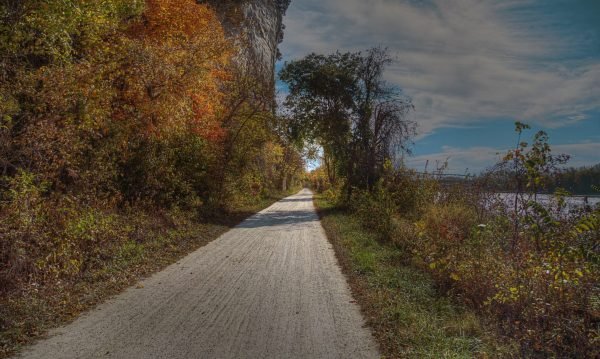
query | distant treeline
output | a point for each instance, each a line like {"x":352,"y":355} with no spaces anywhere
{"x":578,"y":181}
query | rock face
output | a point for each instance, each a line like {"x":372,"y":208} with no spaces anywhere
{"x":259,"y":26}
{"x":263,"y":22}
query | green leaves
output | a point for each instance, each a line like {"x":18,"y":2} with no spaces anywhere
{"x":58,"y":32}
{"x":341,"y":102}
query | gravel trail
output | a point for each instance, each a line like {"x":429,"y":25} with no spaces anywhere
{"x":269,"y":288}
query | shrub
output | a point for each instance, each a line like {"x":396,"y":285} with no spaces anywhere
{"x":412,"y":193}
{"x":541,"y":293}
{"x":540,"y":286}
{"x":23,"y":229}
{"x":376,"y":210}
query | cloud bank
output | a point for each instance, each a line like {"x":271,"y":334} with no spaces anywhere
{"x":461,"y":61}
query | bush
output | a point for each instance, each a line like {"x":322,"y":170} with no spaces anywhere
{"x":539,"y":286}
{"x":24,"y":229}
{"x":412,"y":193}
{"x":376,"y":211}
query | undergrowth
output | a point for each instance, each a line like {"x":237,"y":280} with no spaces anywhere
{"x":529,"y":266}
{"x":409,"y":316}
{"x":73,"y":258}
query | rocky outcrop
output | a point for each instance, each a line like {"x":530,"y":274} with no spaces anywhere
{"x":258,"y":25}
{"x":263,"y":26}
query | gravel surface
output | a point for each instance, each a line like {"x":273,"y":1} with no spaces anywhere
{"x":269,"y":288}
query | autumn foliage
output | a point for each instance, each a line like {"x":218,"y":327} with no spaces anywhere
{"x":530,"y":267}
{"x":115,"y":110}
{"x":182,"y":57}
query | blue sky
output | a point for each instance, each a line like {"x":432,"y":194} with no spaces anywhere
{"x":473,"y":67}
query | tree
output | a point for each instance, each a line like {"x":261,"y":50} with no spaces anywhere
{"x":342,"y":103}
{"x":321,"y":103}
{"x":381,"y":129}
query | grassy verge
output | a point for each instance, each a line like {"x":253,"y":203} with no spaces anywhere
{"x":408,"y":317}
{"x":157,"y":240}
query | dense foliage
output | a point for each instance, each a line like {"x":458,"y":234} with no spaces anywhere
{"x":116,"y":107}
{"x":531,"y":267}
{"x":341,"y":103}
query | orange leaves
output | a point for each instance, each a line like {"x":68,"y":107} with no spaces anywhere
{"x":208,"y":104}
{"x":206,"y":122}
{"x":176,"y":65}
{"x":176,"y":20}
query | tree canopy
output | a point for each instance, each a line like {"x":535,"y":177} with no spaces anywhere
{"x":342,"y":103}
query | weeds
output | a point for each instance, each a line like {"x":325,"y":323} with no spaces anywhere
{"x":408,"y":316}
{"x":530,"y":266}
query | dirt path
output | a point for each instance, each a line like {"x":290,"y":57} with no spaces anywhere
{"x":269,"y":288}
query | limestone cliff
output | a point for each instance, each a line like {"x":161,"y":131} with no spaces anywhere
{"x":259,"y":26}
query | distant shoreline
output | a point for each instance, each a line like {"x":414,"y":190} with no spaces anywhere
{"x":595,"y":195}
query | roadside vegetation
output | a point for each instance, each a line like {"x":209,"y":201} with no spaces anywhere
{"x":532,"y":277}
{"x":401,"y":303}
{"x":132,"y":245}
{"x":531,"y":269}
{"x":130,"y":134}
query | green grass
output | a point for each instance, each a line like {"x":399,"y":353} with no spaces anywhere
{"x":409,"y":318}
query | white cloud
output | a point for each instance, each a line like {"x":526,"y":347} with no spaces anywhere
{"x":462,"y":61}
{"x":476,"y":159}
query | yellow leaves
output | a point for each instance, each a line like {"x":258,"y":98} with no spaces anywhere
{"x":562,"y":275}
{"x":177,"y":67}
{"x":274,"y":151}
{"x":420,"y":227}
{"x":179,"y":20}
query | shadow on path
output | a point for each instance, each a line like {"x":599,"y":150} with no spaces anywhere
{"x":279,"y":218}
